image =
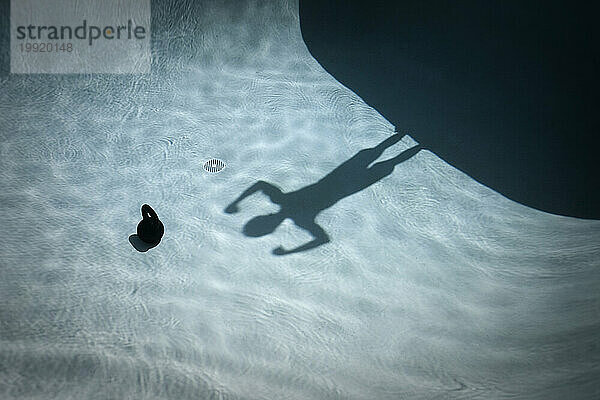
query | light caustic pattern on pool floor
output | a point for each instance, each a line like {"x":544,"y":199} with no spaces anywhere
{"x":432,"y":286}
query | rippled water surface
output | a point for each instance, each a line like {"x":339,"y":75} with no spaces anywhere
{"x":432,"y":286}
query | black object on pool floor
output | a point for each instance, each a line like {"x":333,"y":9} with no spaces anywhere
{"x":150,"y":230}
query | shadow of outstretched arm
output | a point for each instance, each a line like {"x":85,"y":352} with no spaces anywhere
{"x":320,"y":238}
{"x":272,"y":191}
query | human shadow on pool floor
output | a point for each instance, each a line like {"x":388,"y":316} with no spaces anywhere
{"x":303,"y":205}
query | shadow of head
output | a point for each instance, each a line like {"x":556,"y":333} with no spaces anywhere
{"x":263,"y":225}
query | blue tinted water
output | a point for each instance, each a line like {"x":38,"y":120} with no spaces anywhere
{"x":432,"y":286}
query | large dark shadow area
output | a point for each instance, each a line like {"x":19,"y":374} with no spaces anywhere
{"x":303,"y":205}
{"x":505,"y":90}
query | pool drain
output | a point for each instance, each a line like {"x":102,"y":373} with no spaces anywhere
{"x":214,"y":165}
